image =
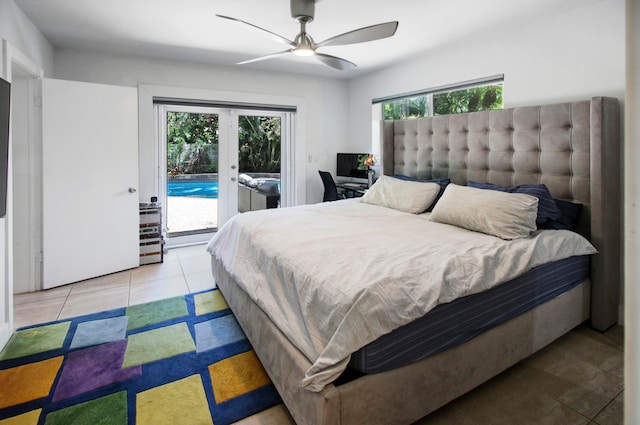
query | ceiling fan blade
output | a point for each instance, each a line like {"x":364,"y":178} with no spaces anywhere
{"x":261,"y":58}
{"x":374,"y":32}
{"x":335,"y":62}
{"x":271,"y":35}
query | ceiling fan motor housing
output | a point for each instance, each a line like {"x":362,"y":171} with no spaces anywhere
{"x":303,"y":10}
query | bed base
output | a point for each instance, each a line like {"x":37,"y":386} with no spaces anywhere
{"x":406,"y":394}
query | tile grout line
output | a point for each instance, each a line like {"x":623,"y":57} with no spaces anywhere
{"x":607,"y":405}
{"x":129,"y":287}
{"x":64,"y":303}
{"x":184,"y":275}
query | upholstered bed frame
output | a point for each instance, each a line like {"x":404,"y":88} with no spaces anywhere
{"x":574,"y":149}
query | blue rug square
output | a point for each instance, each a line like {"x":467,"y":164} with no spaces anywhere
{"x":100,"y":331}
{"x":215,"y":333}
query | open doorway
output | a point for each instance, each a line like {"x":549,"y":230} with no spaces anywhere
{"x":192,"y":172}
{"x":218,"y":162}
{"x":26,"y":175}
{"x":20,"y":229}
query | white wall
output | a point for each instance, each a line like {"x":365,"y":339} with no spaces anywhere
{"x":325,"y":99}
{"x":24,"y":36}
{"x":565,"y":57}
{"x":22,"y":39}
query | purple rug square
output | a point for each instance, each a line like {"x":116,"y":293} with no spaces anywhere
{"x":100,"y":331}
{"x":93,"y":368}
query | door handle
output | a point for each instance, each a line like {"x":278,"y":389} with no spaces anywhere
{"x":132,"y":190}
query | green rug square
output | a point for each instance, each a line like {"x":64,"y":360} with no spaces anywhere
{"x":108,"y":410}
{"x":209,"y":302}
{"x":156,"y":344}
{"x":35,"y":340}
{"x":156,"y":312}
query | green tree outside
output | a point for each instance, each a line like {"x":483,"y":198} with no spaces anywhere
{"x":408,"y":108}
{"x":259,"y":144}
{"x":483,"y":98}
{"x":192,"y":143}
{"x":475,"y":99}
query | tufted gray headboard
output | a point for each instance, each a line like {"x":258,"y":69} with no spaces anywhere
{"x":572,"y":148}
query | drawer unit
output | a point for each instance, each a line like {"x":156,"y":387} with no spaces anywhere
{"x":150,"y":215}
{"x":149,"y":231}
{"x":151,"y":239}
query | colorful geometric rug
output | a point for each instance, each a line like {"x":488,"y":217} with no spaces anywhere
{"x":182,"y":360}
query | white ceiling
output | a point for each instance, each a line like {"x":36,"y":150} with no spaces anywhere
{"x":189,"y":30}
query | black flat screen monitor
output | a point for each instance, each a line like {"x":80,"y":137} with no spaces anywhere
{"x":351,"y":167}
{"x":5,"y":118}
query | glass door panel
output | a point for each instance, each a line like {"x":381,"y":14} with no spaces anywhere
{"x":192,"y":173}
{"x":259,"y":162}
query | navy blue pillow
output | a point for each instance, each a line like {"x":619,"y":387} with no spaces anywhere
{"x":442,"y":182}
{"x":569,"y":214}
{"x":547,"y":207}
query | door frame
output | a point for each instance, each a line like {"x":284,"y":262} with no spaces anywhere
{"x":228,"y":171}
{"x":161,"y":124}
{"x":150,"y":166}
{"x":13,"y":62}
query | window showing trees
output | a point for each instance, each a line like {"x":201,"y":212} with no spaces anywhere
{"x":407,"y":108}
{"x":484,"y":98}
{"x":472,"y":99}
{"x":192,"y":143}
{"x":259,"y":138}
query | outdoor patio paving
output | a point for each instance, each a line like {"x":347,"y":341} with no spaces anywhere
{"x":190,"y":213}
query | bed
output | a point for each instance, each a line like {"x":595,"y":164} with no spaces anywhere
{"x":571,"y":148}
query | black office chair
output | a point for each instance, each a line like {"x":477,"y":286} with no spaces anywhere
{"x":331,"y":192}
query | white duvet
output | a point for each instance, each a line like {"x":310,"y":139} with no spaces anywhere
{"x":336,"y":276}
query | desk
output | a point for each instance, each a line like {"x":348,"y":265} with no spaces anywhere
{"x":352,"y":190}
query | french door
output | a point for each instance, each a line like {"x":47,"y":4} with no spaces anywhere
{"x":207,"y":153}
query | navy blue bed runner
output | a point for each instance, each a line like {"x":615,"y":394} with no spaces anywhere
{"x":453,"y":323}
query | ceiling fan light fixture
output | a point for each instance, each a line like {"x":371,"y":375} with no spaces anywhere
{"x":304,"y":43}
{"x":303,"y":50}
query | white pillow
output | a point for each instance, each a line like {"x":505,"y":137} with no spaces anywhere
{"x":505,"y":215}
{"x":402,"y":195}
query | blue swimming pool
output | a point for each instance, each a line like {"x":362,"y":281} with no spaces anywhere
{"x":194,"y":188}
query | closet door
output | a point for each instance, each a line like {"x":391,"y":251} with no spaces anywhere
{"x":90,"y":179}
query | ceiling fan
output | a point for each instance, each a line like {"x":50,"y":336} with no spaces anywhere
{"x":303,"y":11}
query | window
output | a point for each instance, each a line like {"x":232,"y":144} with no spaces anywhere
{"x":478,"y":95}
{"x":483,"y":98}
{"x":407,"y":108}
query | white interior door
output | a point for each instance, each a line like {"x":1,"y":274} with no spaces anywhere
{"x":90,"y":175}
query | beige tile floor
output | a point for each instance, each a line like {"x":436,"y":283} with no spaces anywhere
{"x":184,"y":270}
{"x":576,"y":380}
